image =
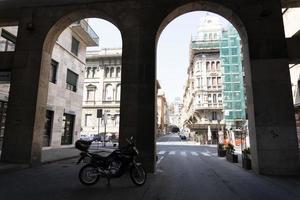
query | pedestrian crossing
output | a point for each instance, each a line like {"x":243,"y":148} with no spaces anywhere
{"x":185,"y":154}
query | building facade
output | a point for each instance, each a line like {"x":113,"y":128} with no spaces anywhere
{"x":203,"y":100}
{"x":102,"y":91}
{"x":162,"y":112}
{"x":63,"y":114}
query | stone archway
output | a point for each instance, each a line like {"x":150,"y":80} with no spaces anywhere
{"x":26,"y":115}
{"x":263,"y":161}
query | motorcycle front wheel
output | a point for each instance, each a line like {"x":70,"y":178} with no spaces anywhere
{"x":88,"y":175}
{"x":138,"y":175}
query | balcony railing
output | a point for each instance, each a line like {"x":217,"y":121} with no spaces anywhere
{"x":92,"y":38}
{"x":205,"y":44}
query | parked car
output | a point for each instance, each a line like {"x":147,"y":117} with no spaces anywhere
{"x":84,"y":137}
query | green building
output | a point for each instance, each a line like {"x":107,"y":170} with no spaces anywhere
{"x":233,"y":84}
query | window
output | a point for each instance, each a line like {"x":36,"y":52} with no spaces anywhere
{"x":214,"y":81}
{"x":213,"y":66}
{"x":71,"y":80}
{"x":88,"y":71}
{"x":219,"y":81}
{"x":88,"y":120}
{"x":94,"y":72}
{"x":106,"y":72}
{"x":90,"y":95}
{"x":218,"y":65}
{"x":208,"y":81}
{"x":207,"y":66}
{"x":7,"y":41}
{"x":112,"y":70}
{"x":214,"y":116}
{"x":53,"y":71}
{"x":75,"y":46}
{"x":118,"y":71}
{"x":108,"y":93}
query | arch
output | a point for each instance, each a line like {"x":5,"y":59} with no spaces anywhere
{"x":75,"y":15}
{"x":111,"y":73}
{"x":106,"y":72}
{"x":108,"y":92}
{"x":118,"y":72}
{"x":238,"y":24}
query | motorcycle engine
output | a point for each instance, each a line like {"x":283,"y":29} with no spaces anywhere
{"x":114,"y":167}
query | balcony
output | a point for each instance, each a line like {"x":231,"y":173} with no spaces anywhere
{"x":209,"y":106}
{"x":205,"y":44}
{"x":87,"y":34}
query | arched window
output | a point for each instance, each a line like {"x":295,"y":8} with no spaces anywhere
{"x":118,"y":94}
{"x":106,"y":72}
{"x":210,"y":36}
{"x":207,"y":66}
{"x":90,"y":92}
{"x":215,"y":36}
{"x":218,"y":65}
{"x":118,"y":71}
{"x":213,"y":66}
{"x":109,"y":92}
{"x":88,"y":69}
{"x":112,"y":70}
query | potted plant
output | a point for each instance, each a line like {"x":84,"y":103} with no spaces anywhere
{"x":246,"y":160}
{"x":221,"y":150}
{"x":230,"y":156}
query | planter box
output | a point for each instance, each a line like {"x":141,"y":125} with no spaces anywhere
{"x":246,"y":163}
{"x":232,"y":158}
{"x":221,"y":152}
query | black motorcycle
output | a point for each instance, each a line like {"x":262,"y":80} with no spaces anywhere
{"x":112,"y":166}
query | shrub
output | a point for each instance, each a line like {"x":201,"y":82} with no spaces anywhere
{"x":230,"y":149}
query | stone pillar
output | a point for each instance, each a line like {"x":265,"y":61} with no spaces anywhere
{"x":273,"y":138}
{"x":138,"y":93}
{"x":27,"y":98}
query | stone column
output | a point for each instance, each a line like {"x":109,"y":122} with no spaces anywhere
{"x":27,"y":98}
{"x":273,"y":138}
{"x":138,"y":93}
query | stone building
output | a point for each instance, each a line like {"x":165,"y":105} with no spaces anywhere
{"x":203,"y":101}
{"x":63,"y":114}
{"x":162,"y":112}
{"x":175,"y":113}
{"x":102,"y":90}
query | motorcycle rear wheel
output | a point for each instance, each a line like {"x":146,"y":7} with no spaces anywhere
{"x":88,"y":175}
{"x":138,"y":175}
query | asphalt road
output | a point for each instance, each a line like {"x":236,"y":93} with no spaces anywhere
{"x":183,"y":172}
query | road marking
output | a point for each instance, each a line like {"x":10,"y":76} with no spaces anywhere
{"x":194,"y":153}
{"x":157,"y":163}
{"x":183,"y":153}
{"x":172,"y":152}
{"x":205,"y":154}
{"x":161,"y":152}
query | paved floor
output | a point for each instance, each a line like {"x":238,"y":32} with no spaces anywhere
{"x":184,"y":172}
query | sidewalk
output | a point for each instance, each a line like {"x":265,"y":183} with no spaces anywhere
{"x":57,"y":154}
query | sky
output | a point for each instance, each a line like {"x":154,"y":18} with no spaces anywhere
{"x":172,"y":49}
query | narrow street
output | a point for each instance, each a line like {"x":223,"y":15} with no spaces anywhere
{"x":184,"y":172}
